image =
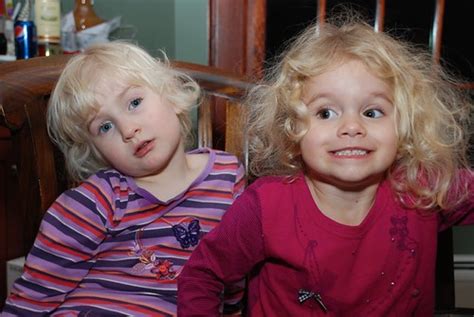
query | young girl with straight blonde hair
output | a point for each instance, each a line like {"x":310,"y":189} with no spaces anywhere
{"x":115,"y":244}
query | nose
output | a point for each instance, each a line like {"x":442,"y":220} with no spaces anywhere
{"x":129,"y":130}
{"x":351,"y":126}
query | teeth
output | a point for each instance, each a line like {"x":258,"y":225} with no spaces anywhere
{"x":350,"y":152}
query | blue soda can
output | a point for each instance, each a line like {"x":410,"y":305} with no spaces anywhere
{"x":26,"y":44}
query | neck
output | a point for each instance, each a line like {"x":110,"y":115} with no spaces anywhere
{"x":176,"y":168}
{"x":349,"y":207}
{"x":179,"y":173}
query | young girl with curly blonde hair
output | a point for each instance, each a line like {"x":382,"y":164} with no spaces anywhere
{"x":360,"y":143}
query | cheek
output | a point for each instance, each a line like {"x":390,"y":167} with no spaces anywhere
{"x":393,"y":132}
{"x":104,"y":148}
{"x":314,"y":136}
{"x":391,"y":142}
{"x":311,"y":145}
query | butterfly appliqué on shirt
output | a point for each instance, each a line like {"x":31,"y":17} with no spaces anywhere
{"x":187,"y":236}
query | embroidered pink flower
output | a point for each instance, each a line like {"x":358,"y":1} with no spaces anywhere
{"x":163,"y":269}
{"x":149,"y":262}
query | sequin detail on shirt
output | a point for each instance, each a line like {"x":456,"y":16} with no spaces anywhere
{"x":400,"y":234}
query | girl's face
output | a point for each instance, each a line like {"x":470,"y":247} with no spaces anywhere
{"x":136,"y":130}
{"x":352,"y":138}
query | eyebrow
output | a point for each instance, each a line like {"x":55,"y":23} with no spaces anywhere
{"x":382,"y":96}
{"x":375,"y":94}
{"x":126,"y":90}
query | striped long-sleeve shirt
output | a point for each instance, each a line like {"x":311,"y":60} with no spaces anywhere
{"x":110,"y":248}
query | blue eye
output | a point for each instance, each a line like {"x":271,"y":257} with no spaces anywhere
{"x":325,"y":114}
{"x":373,"y":113}
{"x":135,"y":103}
{"x":105,"y":127}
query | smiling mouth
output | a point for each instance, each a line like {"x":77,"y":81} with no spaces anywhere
{"x":354,"y":152}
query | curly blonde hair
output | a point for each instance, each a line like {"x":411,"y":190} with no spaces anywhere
{"x":73,"y":100}
{"x":432,"y":113}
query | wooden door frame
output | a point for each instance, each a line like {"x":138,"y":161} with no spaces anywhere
{"x":237,"y":36}
{"x":236,"y":44}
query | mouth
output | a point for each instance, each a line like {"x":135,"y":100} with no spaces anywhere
{"x":143,"y":148}
{"x":350,"y":152}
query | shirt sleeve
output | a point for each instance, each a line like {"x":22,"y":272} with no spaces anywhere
{"x":463,"y":212}
{"x":240,"y":181}
{"x":224,"y":256}
{"x":62,"y":254}
{"x":233,"y":297}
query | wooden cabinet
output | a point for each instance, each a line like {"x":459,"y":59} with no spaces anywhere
{"x":4,"y":165}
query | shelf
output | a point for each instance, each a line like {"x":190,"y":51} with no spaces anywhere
{"x":7,"y":58}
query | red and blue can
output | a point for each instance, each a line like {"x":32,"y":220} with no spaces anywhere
{"x":26,"y":43}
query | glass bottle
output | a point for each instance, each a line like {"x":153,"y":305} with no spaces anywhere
{"x":48,"y":26}
{"x":3,"y":39}
{"x":84,"y":15}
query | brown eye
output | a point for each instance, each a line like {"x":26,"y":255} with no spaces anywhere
{"x":325,"y":114}
{"x":373,"y":113}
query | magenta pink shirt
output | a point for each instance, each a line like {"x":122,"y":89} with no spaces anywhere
{"x":383,"y":267}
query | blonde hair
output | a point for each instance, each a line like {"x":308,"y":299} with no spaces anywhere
{"x":432,"y":114}
{"x":73,"y":99}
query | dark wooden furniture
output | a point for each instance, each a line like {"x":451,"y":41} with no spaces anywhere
{"x":237,"y":45}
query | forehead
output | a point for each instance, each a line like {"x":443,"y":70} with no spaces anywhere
{"x":103,"y":92}
{"x":108,"y":86}
{"x":349,"y":77}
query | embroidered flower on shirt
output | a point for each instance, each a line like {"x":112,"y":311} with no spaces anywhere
{"x":149,"y":262}
{"x":164,"y":270}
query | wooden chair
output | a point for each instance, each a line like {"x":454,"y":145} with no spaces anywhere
{"x":35,"y":173}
